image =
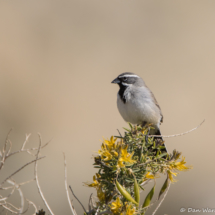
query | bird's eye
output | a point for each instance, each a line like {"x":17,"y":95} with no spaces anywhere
{"x":124,"y":79}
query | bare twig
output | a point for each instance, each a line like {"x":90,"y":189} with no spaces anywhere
{"x":35,"y":207}
{"x":164,"y":196}
{"x":97,"y":211}
{"x":20,"y":193}
{"x":20,"y":184}
{"x":26,"y":182}
{"x":7,"y":203}
{"x":22,"y":200}
{"x":26,"y":140}
{"x":5,"y":198}
{"x":8,"y":209}
{"x":3,"y":155}
{"x":89,"y":206}
{"x":145,"y":182}
{"x":37,"y":180}
{"x":176,"y":135}
{"x":6,"y":141}
{"x":22,"y":168}
{"x":67,"y":192}
{"x":77,"y":199}
{"x":8,"y":151}
{"x":27,"y":150}
{"x":12,"y":211}
{"x":119,"y":132}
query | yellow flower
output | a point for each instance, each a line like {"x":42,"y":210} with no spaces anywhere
{"x":130,"y":211}
{"x":180,"y":165}
{"x":177,"y":166}
{"x":114,"y":153}
{"x":111,"y":143}
{"x":120,"y":164}
{"x":125,"y":156}
{"x":105,"y":154}
{"x":149,"y":175}
{"x":170,"y":173}
{"x":94,"y":184}
{"x":116,"y":206}
{"x":109,"y":149}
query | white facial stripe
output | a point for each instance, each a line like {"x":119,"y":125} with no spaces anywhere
{"x":128,"y":76}
{"x":125,"y":84}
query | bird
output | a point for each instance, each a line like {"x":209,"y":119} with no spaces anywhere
{"x":137,"y":104}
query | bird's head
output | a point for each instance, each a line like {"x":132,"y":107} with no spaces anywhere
{"x":127,"y":79}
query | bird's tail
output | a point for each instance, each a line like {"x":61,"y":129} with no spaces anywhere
{"x":160,"y":141}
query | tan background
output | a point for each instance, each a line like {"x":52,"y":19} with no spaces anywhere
{"x":57,"y":59}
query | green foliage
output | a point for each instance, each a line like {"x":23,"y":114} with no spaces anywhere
{"x":126,"y":165}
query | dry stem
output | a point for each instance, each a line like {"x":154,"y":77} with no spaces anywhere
{"x":181,"y":134}
{"x":66,"y":187}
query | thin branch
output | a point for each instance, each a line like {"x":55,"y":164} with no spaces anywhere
{"x":26,"y":140}
{"x":162,"y":199}
{"x":35,"y":207}
{"x":15,"y":212}
{"x":22,"y":200}
{"x":37,"y":180}
{"x":27,"y":150}
{"x":145,"y":182}
{"x":4,"y":150}
{"x":67,"y":192}
{"x":119,"y":132}
{"x":77,"y":199}
{"x":7,"y":203}
{"x":8,"y":151}
{"x":3,"y":199}
{"x":26,"y":182}
{"x":97,"y":211}
{"x":7,"y":138}
{"x":181,"y":134}
{"x":89,"y":207}
{"x":22,"y":168}
{"x":20,"y":193}
{"x":20,"y":184}
{"x":7,"y":208}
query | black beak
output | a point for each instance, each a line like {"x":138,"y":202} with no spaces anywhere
{"x":115,"y":81}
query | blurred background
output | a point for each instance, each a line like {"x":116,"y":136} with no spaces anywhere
{"x":57,"y":61}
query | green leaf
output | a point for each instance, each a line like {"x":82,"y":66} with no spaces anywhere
{"x":162,"y":155}
{"x":136,"y":170}
{"x":165,"y":185}
{"x":148,"y":199}
{"x":130,"y":125}
{"x":136,"y":191}
{"x":162,"y":147}
{"x":142,"y":188}
{"x":119,"y":137}
{"x":127,"y":129}
{"x":125,"y":193}
{"x":142,"y":158}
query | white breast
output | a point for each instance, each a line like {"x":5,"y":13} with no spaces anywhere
{"x":138,"y":109}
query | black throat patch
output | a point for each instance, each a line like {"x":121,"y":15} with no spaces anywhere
{"x":122,"y":89}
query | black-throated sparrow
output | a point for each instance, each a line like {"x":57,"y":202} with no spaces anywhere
{"x":136,"y":103}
